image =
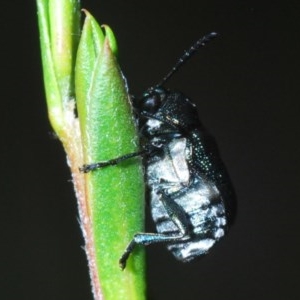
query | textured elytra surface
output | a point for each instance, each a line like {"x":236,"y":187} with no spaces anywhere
{"x":198,"y":197}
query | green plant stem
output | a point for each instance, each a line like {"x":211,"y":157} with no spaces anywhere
{"x":110,"y":200}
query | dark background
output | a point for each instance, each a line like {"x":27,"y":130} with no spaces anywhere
{"x":246,"y":87}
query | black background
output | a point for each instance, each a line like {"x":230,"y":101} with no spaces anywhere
{"x":246,"y":87}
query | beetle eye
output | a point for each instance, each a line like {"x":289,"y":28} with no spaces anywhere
{"x":151,"y":103}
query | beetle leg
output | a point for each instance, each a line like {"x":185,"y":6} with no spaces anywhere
{"x":147,"y":149}
{"x":176,"y":214}
{"x":91,"y":167}
{"x":144,"y":238}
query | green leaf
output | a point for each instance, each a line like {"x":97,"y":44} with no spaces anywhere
{"x":59,"y":34}
{"x":116,"y":193}
{"x":110,"y":200}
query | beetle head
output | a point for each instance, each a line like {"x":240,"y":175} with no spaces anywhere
{"x":150,"y":101}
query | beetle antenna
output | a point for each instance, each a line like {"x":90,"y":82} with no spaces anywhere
{"x":188,"y":54}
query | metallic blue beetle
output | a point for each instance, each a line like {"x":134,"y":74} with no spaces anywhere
{"x":192,"y":200}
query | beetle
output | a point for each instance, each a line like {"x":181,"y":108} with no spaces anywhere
{"x":191,"y":196}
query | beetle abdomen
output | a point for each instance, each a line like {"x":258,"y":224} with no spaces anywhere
{"x":198,"y":197}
